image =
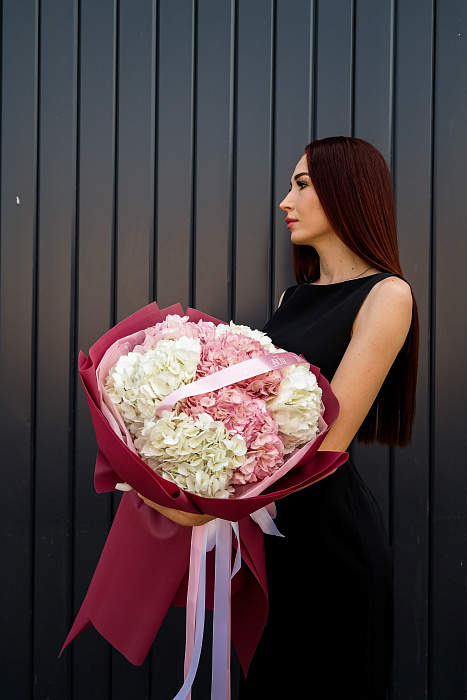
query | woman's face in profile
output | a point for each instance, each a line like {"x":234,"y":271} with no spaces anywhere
{"x":305,"y":219}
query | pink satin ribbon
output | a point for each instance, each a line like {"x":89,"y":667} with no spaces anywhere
{"x":218,"y":534}
{"x":195,"y":602}
{"x":230,"y":375}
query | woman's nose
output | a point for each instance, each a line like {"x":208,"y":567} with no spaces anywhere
{"x":285,"y":204}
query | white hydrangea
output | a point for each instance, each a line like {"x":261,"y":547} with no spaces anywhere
{"x":139,"y":382}
{"x":199,"y":455}
{"x":296,"y":408}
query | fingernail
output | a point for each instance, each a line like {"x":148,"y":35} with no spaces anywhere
{"x":123,"y":487}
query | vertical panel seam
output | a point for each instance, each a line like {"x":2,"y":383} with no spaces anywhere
{"x":155,"y":126}
{"x":114,"y":253}
{"x":353,"y":30}
{"x":75,"y":160}
{"x":432,"y":366}
{"x":114,"y":262}
{"x":391,"y":137}
{"x":272,"y":122}
{"x":392,"y":90}
{"x":194,"y":115}
{"x":312,"y":110}
{"x":1,"y":118}
{"x":34,"y":337}
{"x":155,"y":180}
{"x":232,"y":159}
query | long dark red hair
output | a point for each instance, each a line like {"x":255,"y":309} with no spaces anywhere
{"x":353,"y":184}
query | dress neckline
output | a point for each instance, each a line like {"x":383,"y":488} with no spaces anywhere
{"x":355,"y":279}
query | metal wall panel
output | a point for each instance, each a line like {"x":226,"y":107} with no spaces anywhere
{"x":373,"y":73}
{"x":17,"y":339}
{"x":372,"y":120}
{"x":412,"y":166}
{"x":334,"y":66}
{"x":134,"y":207}
{"x":135,"y":156}
{"x":94,"y":308}
{"x":175,"y":152}
{"x":449,"y":405}
{"x":55,"y":356}
{"x":293,"y":106}
{"x":254,"y":82}
{"x":215,"y":41}
{"x":146,"y":147}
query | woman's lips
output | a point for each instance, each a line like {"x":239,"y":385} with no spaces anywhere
{"x":290,"y":222}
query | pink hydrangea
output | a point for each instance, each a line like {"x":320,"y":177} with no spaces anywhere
{"x":232,"y":348}
{"x":174,"y":327}
{"x":245,"y":415}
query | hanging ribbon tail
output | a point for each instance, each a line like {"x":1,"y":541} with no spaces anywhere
{"x":218,"y":534}
{"x":265,"y":521}
{"x":220,"y":687}
{"x":198,"y":574}
{"x":197,"y":540}
{"x":238,"y":555}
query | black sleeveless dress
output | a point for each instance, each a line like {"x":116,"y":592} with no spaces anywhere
{"x":329,"y":633}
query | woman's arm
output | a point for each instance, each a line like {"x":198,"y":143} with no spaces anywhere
{"x":378,"y":333}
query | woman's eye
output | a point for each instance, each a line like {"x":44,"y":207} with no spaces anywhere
{"x":301,"y":184}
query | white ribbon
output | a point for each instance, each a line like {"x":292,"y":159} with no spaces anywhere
{"x":265,"y":521}
{"x":217,"y":533}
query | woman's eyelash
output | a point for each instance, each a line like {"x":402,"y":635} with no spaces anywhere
{"x":300,"y":185}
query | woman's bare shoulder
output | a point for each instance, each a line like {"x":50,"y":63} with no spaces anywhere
{"x":394,"y":288}
{"x":389,"y":303}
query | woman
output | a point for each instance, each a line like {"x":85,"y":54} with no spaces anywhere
{"x":330,"y":626}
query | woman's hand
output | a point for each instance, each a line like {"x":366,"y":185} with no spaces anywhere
{"x":178,"y":516}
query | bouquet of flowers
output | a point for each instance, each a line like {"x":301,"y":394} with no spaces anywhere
{"x":211,"y":442}
{"x":203,"y":417}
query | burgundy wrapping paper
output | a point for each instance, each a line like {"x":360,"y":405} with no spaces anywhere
{"x":143,"y":568}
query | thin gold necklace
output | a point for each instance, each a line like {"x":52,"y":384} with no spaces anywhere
{"x":350,"y":278}
{"x":361,"y":273}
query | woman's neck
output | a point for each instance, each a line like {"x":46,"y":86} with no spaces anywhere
{"x":339,"y":264}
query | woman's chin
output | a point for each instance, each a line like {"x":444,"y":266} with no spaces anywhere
{"x":299,"y":240}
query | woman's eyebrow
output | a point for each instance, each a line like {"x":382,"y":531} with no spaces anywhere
{"x":296,"y":177}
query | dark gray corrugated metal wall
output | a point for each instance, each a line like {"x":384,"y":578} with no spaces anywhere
{"x":145,"y":147}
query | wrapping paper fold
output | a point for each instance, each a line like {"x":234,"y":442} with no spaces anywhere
{"x":144,"y":565}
